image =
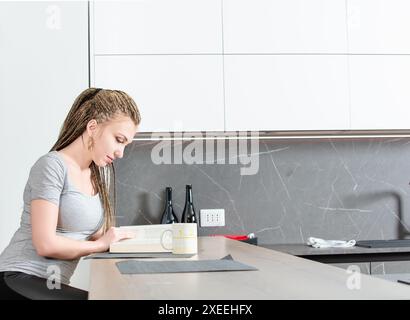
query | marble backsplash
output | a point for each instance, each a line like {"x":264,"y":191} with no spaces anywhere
{"x":327,"y":188}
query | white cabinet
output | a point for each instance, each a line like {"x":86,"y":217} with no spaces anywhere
{"x":213,"y":65}
{"x":284,"y":26}
{"x":379,"y":30}
{"x":379,"y":26}
{"x":305,"y":92}
{"x":173,"y":92}
{"x":167,"y":55}
{"x":157,"y":26}
{"x":380,"y":91}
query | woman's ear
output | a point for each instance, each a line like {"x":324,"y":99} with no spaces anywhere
{"x":92,"y":127}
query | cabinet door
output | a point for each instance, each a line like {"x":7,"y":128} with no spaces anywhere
{"x":173,"y":92}
{"x":379,"y":26}
{"x":380,"y":94}
{"x":157,"y":26}
{"x":363,"y":267}
{"x":284,"y":26}
{"x":285,"y":92}
{"x":399,"y":269}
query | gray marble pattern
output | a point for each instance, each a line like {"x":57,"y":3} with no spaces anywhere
{"x":328,"y":188}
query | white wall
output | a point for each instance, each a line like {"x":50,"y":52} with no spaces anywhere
{"x":43,"y":67}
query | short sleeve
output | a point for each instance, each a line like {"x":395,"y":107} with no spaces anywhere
{"x":46,"y":179}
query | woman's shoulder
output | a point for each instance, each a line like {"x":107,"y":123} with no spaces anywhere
{"x":49,"y":162}
{"x":47,"y":178}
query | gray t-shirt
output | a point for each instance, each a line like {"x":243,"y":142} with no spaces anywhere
{"x":79,"y":216}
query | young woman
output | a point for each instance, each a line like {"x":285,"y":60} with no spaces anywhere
{"x":69,"y":199}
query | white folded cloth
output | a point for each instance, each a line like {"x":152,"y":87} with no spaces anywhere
{"x":321,"y":243}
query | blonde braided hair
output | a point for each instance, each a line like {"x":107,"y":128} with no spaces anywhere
{"x":101,"y":105}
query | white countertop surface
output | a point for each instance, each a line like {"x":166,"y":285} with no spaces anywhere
{"x":279,"y":276}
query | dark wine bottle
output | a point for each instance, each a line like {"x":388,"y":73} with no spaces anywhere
{"x":188,"y":215}
{"x":169,"y":215}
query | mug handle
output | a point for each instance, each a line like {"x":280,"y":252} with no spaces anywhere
{"x":162,"y":237}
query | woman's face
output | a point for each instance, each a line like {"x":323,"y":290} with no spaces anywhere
{"x":111,"y":138}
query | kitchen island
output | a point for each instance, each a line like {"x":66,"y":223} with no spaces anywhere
{"x":279,"y":276}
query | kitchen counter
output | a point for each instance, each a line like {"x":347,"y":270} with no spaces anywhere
{"x":341,"y":255}
{"x":279,"y":276}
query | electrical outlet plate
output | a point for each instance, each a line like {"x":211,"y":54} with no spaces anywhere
{"x":212,"y":217}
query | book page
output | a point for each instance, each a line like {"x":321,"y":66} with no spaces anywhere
{"x":148,"y":239}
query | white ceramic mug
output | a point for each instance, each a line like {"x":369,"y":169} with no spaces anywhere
{"x":184,"y":238}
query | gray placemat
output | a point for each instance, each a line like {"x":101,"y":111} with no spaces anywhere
{"x":107,"y":255}
{"x":146,"y":267}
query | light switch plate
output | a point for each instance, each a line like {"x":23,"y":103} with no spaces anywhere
{"x":212,"y":217}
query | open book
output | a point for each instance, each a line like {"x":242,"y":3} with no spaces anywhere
{"x":149,"y":238}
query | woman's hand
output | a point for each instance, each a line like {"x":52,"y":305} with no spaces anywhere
{"x":113,"y":235}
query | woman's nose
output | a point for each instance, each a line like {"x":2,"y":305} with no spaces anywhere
{"x":119,"y":153}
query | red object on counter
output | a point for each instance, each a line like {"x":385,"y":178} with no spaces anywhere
{"x":232,"y":236}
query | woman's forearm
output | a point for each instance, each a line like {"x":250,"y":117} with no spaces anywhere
{"x":68,"y":249}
